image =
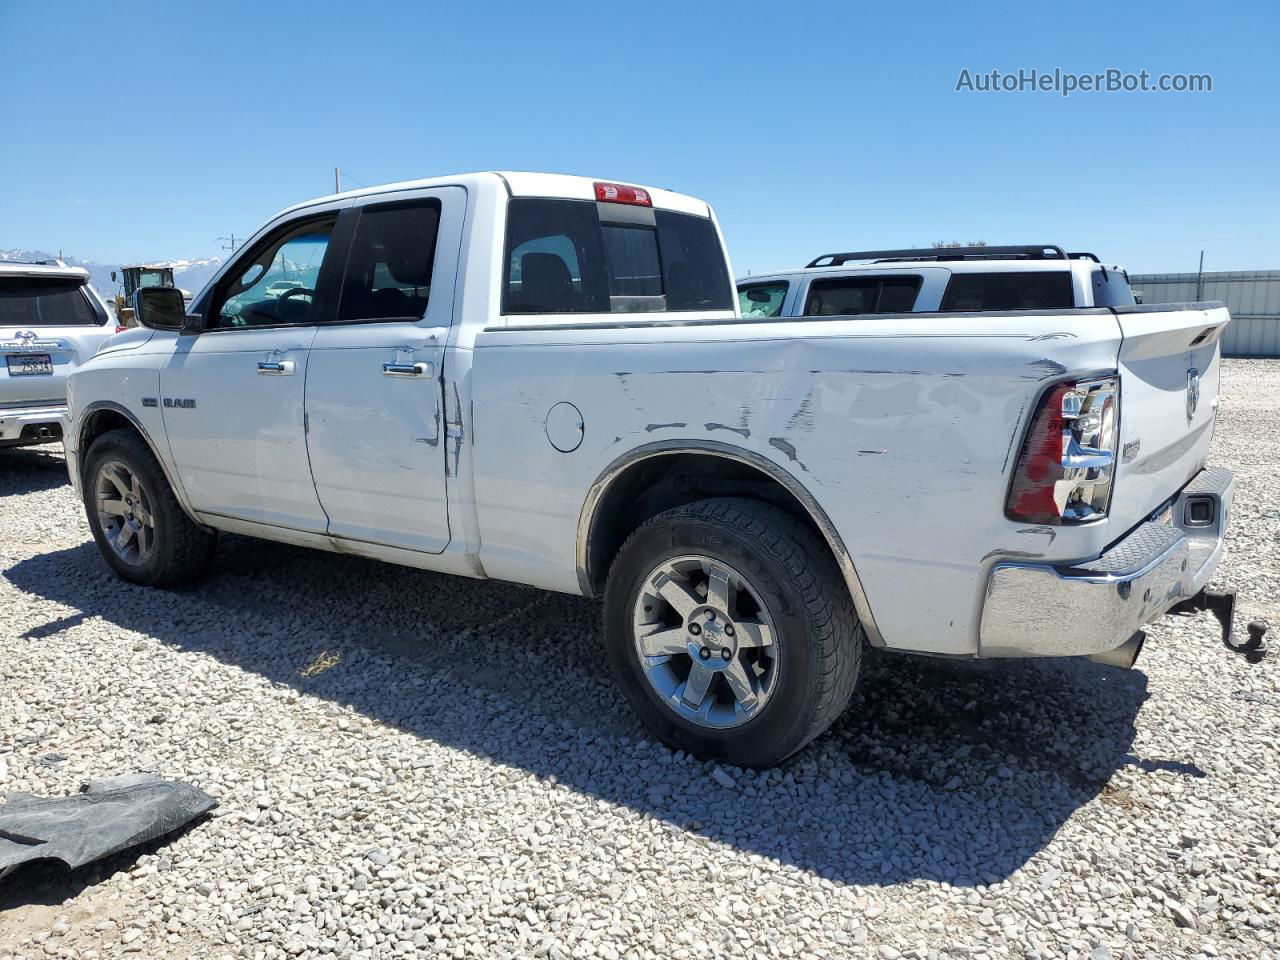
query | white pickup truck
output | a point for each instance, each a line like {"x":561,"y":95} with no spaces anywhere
{"x":545,"y":379}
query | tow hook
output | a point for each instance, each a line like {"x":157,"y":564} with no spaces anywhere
{"x":1222,"y":604}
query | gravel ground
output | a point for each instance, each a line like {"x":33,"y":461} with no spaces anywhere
{"x":409,"y":763}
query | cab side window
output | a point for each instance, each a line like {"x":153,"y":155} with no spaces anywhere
{"x":388,"y":275}
{"x":276,"y":284}
{"x":1009,"y":290}
{"x":849,"y":296}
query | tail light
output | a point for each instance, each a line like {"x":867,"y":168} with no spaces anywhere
{"x":1066,"y":468}
{"x":618,"y":193}
{"x":121,"y":328}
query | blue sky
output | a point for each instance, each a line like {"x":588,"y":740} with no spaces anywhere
{"x":139,"y":130}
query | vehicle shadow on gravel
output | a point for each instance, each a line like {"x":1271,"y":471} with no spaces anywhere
{"x":26,"y":470}
{"x":955,"y":772}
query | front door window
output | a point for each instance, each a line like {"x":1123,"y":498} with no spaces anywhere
{"x":277,"y":284}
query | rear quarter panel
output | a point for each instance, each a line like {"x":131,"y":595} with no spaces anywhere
{"x":903,"y":427}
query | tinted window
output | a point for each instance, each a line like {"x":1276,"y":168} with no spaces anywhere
{"x":1015,"y":290}
{"x":388,"y":275}
{"x":841,"y":296}
{"x":276,"y":283}
{"x":1111,"y":288}
{"x":694,"y":274}
{"x":36,"y":302}
{"x":562,"y":259}
{"x":555,"y":258}
{"x":762,"y":299}
{"x":632,"y":255}
{"x":898,"y":294}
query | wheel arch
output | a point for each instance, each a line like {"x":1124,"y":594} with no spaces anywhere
{"x":103,"y":416}
{"x":641,"y":469}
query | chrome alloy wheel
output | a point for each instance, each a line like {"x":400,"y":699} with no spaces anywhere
{"x":705,"y":641}
{"x":125,"y":513}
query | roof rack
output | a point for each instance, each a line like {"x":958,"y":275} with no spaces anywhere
{"x":1084,"y":256}
{"x":51,"y":262}
{"x":1045,"y":251}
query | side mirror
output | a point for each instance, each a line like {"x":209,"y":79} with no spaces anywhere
{"x":160,"y":308}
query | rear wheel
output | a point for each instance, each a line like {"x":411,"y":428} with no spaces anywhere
{"x":731,"y":631}
{"x":142,"y":531}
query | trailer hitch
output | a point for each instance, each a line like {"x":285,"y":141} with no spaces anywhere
{"x":1222,"y":604}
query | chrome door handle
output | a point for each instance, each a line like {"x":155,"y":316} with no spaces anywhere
{"x":408,"y":369}
{"x":283,"y":368}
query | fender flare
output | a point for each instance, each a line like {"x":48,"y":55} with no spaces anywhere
{"x":590,"y":509}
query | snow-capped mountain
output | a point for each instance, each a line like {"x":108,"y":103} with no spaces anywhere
{"x":189,"y":274}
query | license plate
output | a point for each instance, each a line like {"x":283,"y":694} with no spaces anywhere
{"x":29,"y":364}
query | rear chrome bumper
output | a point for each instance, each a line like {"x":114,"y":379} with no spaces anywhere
{"x":23,"y":425}
{"x":1038,"y":610}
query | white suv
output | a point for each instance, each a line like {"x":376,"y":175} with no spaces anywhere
{"x":937,"y":280}
{"x":51,"y":321}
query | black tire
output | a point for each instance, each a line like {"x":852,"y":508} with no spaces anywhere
{"x":182,"y":549}
{"x":820,"y":637}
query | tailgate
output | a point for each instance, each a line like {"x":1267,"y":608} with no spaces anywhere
{"x":65,"y":347}
{"x":50,"y":323}
{"x":1169,"y":364}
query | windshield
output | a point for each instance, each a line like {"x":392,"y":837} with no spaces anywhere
{"x":152,"y":278}
{"x":40,"y":302}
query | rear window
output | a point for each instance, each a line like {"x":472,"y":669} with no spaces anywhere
{"x":1014,"y":290}
{"x":762,"y":299}
{"x":844,"y":296}
{"x":38,"y":302}
{"x":577,"y":256}
{"x":1111,"y":288}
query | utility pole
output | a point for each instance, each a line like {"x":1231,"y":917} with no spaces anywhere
{"x":229,"y":243}
{"x":337,"y":179}
{"x":1200,"y":279}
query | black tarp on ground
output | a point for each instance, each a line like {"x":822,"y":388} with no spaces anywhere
{"x":107,"y":816}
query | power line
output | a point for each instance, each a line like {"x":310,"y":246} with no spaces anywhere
{"x":338,"y":176}
{"x":230,"y":243}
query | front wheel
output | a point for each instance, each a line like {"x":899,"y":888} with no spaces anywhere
{"x":141,"y":530}
{"x":731,"y":631}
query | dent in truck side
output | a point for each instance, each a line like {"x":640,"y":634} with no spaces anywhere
{"x":886,"y":422}
{"x":515,"y":440}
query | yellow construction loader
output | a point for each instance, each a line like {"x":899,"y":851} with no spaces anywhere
{"x":131,"y":278}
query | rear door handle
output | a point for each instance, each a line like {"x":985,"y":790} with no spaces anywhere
{"x":282,"y":368}
{"x":408,"y":369}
